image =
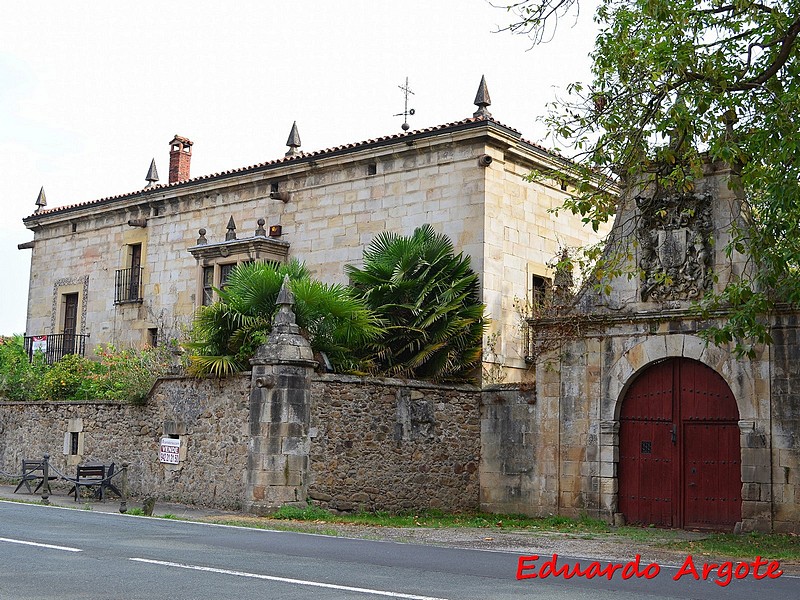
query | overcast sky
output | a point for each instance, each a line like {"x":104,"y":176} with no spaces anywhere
{"x":90,"y":92}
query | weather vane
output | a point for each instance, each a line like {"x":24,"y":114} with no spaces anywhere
{"x":407,"y":111}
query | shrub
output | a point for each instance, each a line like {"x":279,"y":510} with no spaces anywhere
{"x":67,"y":379}
{"x":127,"y":375}
{"x":19,"y":378}
{"x":121,"y":375}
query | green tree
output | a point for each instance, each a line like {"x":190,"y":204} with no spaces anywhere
{"x":429,"y":299}
{"x":676,"y":82}
{"x":226,"y":334}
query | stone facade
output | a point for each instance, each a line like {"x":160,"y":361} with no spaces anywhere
{"x":324,"y":208}
{"x":378,"y":444}
{"x":555,"y":448}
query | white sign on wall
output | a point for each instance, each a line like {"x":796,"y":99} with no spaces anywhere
{"x":39,"y":343}
{"x":170,"y":451}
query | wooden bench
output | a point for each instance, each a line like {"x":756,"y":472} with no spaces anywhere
{"x":89,"y":476}
{"x":33,"y":470}
{"x":97,"y":477}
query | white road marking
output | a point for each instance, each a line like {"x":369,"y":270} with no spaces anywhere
{"x":332,"y":586}
{"x":37,"y":544}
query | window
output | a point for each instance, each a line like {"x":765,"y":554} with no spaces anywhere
{"x":217,"y":260}
{"x":224,"y":273}
{"x":74,"y":441}
{"x":152,"y":336}
{"x":67,"y":321}
{"x":539,"y":290}
{"x":208,"y":286}
{"x":128,"y":281}
{"x":69,"y":324}
{"x":372,"y":169}
{"x":135,"y":263}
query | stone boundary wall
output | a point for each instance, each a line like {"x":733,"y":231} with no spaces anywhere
{"x":387,"y":444}
{"x":519,"y":452}
{"x":379,"y":444}
{"x":209,"y":417}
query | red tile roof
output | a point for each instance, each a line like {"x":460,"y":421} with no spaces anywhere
{"x":300,"y":156}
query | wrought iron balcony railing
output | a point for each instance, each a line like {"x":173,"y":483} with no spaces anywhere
{"x":55,"y":346}
{"x":128,"y":285}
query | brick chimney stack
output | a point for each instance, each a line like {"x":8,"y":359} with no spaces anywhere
{"x":180,"y":157}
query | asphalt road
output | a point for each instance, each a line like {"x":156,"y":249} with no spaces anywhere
{"x":47,"y":552}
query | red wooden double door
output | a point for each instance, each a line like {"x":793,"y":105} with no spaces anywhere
{"x":679,"y":454}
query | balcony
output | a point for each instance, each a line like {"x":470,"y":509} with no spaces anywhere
{"x":55,"y":346}
{"x":128,"y":286}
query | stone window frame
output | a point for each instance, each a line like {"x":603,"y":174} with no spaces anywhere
{"x":74,"y":431}
{"x":70,"y":285}
{"x":234,"y":252}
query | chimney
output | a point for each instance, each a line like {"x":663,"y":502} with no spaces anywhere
{"x":180,"y":156}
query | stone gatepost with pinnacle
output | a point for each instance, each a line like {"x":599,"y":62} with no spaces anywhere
{"x":280,"y":407}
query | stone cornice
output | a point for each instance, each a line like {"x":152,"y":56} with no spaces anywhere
{"x":257,"y":247}
{"x":651,"y":316}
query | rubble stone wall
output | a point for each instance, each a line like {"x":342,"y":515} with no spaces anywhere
{"x":394,"y":445}
{"x":375,"y":443}
{"x":209,"y":417}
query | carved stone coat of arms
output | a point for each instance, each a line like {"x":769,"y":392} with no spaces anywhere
{"x":674,"y":233}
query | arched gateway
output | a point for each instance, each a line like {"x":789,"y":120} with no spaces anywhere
{"x":679,"y":453}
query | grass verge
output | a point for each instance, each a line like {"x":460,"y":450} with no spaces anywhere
{"x":436,"y":518}
{"x":784,"y":547}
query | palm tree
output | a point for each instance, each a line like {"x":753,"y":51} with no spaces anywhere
{"x":227,"y":333}
{"x":429,"y":299}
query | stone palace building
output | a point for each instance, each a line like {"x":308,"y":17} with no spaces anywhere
{"x":129,"y":269}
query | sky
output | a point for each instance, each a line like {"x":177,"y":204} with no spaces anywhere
{"x":91,"y":91}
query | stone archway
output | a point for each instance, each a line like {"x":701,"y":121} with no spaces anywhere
{"x":679,"y":454}
{"x":747,"y":382}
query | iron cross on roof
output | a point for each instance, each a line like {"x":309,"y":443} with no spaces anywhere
{"x":407,"y":111}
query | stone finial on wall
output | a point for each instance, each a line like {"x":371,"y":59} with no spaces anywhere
{"x":41,"y":200}
{"x":231,"y":235}
{"x":152,"y":174}
{"x":294,"y":141}
{"x":260,"y":230}
{"x":482,"y":100}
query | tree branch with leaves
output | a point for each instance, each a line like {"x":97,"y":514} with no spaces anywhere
{"x":676,"y":83}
